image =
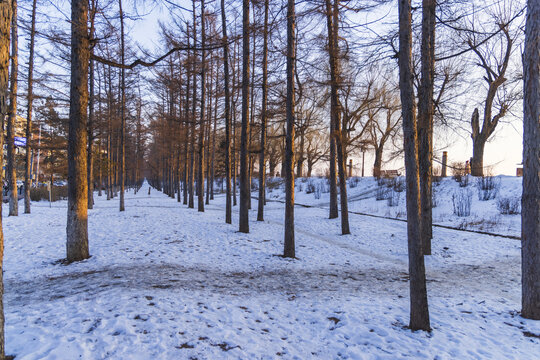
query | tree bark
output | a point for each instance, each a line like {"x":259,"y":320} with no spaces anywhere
{"x":262,"y":161}
{"x":5,"y":24}
{"x":11,"y":168}
{"x":77,"y":213}
{"x":289,"y":246}
{"x":425,"y":120}
{"x":30,"y":99}
{"x":333,"y":25}
{"x":333,"y":178}
{"x":244,"y":151}
{"x":122,"y":145}
{"x":200,"y":178}
{"x":419,"y":312}
{"x":530,"y":203}
{"x":193,"y":115}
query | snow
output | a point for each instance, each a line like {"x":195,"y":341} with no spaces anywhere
{"x":168,"y":282}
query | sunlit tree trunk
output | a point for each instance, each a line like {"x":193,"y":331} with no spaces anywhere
{"x":77,"y":213}
{"x":289,"y":246}
{"x":5,"y":24}
{"x":11,"y":167}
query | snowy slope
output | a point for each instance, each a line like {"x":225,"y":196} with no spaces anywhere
{"x":167,"y":282}
{"x":363,"y":198}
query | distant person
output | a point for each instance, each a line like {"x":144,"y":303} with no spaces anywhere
{"x":149,"y":190}
{"x":467,"y":167}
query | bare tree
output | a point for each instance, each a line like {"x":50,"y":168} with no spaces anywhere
{"x":332,"y":16}
{"x":530,"y":203}
{"x":5,"y":24}
{"x":419,"y":312}
{"x":495,"y":69}
{"x":30,"y":99}
{"x":77,"y":213}
{"x":425,"y":120}
{"x":11,"y":168}
{"x":245,"y":191}
{"x":200,"y":178}
{"x":122,"y":145}
{"x":289,"y":247}
{"x":262,"y":160}
{"x":228,"y":206}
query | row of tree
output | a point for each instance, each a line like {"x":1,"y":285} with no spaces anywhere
{"x":210,"y":85}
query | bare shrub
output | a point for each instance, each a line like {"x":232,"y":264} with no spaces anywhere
{"x":464,"y":181}
{"x":393,"y":198}
{"x":310,"y":187}
{"x":434,"y":200}
{"x":42,"y":193}
{"x":509,"y":205}
{"x":382,"y":193}
{"x":459,"y":170}
{"x":353,"y":182}
{"x":318,"y":190}
{"x":462,"y":201}
{"x":488,"y":187}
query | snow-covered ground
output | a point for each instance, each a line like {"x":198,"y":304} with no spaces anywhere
{"x":167,"y":282}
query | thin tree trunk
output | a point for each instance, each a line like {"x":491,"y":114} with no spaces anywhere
{"x":200,"y":178}
{"x":530,"y":203}
{"x":289,"y":246}
{"x":244,"y":151}
{"x":419,"y":312}
{"x":333,"y":25}
{"x":262,"y":161}
{"x":77,"y":213}
{"x":193,"y":115}
{"x":122,"y":145}
{"x":425,"y":120}
{"x":30,"y":99}
{"x":228,"y":207}
{"x":11,"y":168}
{"x":333,"y":179}
{"x":5,"y":24}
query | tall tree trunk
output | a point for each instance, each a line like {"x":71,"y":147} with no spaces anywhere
{"x":333,"y":26}
{"x":187,"y":127}
{"x":122,"y":145}
{"x":425,"y":120}
{"x":77,"y":213}
{"x":333,"y":178}
{"x":262,"y":161}
{"x":30,"y":99}
{"x":530,"y":203}
{"x":193,"y":116}
{"x":200,"y":179}
{"x":289,"y":246}
{"x":244,"y":150}
{"x":89,"y":155}
{"x":228,"y":205}
{"x":5,"y":24}
{"x":417,"y":274}
{"x":11,"y":168}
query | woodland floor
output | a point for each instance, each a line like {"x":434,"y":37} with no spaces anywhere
{"x":168,"y":282}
